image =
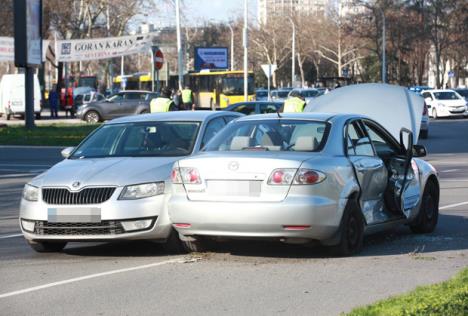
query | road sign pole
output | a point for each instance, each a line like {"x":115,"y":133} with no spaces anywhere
{"x":158,"y":87}
{"x":152,"y":71}
{"x":269,"y":81}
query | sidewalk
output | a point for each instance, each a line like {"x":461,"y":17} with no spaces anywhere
{"x":44,"y":120}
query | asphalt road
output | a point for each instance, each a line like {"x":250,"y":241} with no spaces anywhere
{"x":234,"y":278}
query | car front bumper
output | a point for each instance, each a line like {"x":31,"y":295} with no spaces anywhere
{"x":112,"y":213}
{"x":305,"y":217}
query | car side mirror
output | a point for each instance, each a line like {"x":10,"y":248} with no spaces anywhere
{"x":67,"y":152}
{"x":419,"y":151}
{"x":406,"y":142}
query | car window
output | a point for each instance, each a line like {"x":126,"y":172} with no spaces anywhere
{"x":246,"y":109}
{"x":268,"y":108}
{"x":358,"y":144}
{"x":213,"y":127}
{"x":446,"y":95}
{"x":116,"y":98}
{"x":100,"y":97}
{"x":135,"y":96}
{"x":229,"y":118}
{"x":382,"y":144}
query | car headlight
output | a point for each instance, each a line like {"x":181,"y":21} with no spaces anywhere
{"x":140,"y":191}
{"x":30,"y":193}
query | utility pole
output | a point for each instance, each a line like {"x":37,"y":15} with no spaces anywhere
{"x":384,"y":62}
{"x":293,"y":52}
{"x":232,"y":46}
{"x":179,"y":46}
{"x":246,"y":46}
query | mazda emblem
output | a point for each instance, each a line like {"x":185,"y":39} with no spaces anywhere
{"x":233,"y":165}
{"x":76,"y":184}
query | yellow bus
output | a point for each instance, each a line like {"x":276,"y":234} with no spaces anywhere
{"x":219,"y":89}
{"x":140,"y":81}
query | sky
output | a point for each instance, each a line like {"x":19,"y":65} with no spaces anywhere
{"x":200,"y":11}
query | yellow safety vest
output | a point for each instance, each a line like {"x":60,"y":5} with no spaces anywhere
{"x":160,"y":105}
{"x":186,"y":96}
{"x":294,"y":105}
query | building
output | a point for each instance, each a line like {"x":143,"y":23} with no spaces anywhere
{"x":271,"y":9}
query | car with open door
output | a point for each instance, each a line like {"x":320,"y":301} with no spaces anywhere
{"x":115,"y":184}
{"x":307,"y":177}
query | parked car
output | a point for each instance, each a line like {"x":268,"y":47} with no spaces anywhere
{"x":261,"y":95}
{"x":419,"y":89}
{"x":445,"y":103}
{"x":255,"y":107}
{"x":308,"y":93}
{"x":280,"y":95}
{"x":114,"y":185}
{"x":12,"y":97}
{"x":463,"y":92}
{"x":124,"y":103}
{"x":304,"y":177}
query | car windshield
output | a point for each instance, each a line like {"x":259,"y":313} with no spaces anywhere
{"x":261,"y":94}
{"x":142,"y":139}
{"x":282,"y":93}
{"x":446,"y":95}
{"x":310,"y":93}
{"x":271,"y":135}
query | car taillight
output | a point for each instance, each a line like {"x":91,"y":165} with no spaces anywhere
{"x":185,"y":175}
{"x":425,"y":109}
{"x":295,"y":176}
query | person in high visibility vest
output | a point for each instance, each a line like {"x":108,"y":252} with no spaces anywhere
{"x":295,"y":103}
{"x":163,"y":103}
{"x":187,"y":99}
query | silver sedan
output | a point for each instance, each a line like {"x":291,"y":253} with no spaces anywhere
{"x":114,"y":185}
{"x":299,"y":178}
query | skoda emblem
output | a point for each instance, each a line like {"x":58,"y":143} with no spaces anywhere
{"x":76,"y":184}
{"x":233,"y":165}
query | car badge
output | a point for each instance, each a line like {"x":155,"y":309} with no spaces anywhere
{"x":76,"y":184}
{"x":233,"y":165}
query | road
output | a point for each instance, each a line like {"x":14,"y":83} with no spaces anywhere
{"x":235,"y":278}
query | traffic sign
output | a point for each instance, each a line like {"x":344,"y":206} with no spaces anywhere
{"x":158,"y":58}
{"x":269,"y":69}
{"x":451,"y":74}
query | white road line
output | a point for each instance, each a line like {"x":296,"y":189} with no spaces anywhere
{"x":449,"y":170}
{"x":91,"y":276}
{"x":452,"y":205}
{"x":453,"y":180}
{"x":11,"y":236}
{"x":2,"y":218}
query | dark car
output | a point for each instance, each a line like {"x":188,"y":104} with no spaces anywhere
{"x":463,"y":92}
{"x":124,"y":103}
{"x":255,"y":107}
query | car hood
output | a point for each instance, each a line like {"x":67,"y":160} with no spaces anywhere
{"x":106,"y":171}
{"x":391,"y":106}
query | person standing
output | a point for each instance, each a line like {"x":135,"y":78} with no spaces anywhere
{"x":53,"y":102}
{"x":187,"y":98}
{"x":163,"y":103}
{"x":295,"y":103}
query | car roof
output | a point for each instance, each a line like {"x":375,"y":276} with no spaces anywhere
{"x":172,"y":116}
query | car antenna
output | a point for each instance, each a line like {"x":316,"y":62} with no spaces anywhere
{"x":278,"y":113}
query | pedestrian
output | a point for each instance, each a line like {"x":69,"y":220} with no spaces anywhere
{"x":295,"y":103}
{"x":187,"y":98}
{"x":69,"y":102}
{"x":177,"y":98}
{"x":53,"y":102}
{"x":163,"y":103}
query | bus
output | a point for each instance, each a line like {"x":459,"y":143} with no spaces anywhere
{"x":218,"y":89}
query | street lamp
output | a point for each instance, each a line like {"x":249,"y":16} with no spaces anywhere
{"x":293,"y":52}
{"x":232,"y":46}
{"x":179,"y":45}
{"x":246,"y":46}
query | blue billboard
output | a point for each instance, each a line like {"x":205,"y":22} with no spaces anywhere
{"x":211,"y":58}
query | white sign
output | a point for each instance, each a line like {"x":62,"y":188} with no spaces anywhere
{"x":101,"y":48}
{"x":33,"y":31}
{"x":7,"y":49}
{"x":269,"y":69}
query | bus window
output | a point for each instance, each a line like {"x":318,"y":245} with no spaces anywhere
{"x":235,"y":85}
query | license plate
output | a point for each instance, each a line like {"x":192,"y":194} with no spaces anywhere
{"x":234,"y":188}
{"x":74,"y":215}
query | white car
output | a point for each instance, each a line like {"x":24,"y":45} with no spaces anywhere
{"x":444,"y":103}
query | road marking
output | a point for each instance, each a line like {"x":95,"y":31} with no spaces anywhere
{"x":454,"y":180}
{"x":92,"y":276}
{"x":11,"y":236}
{"x":8,"y":217}
{"x":450,"y":170}
{"x":452,"y":205}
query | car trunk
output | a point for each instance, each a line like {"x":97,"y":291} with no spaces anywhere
{"x":235,"y":177}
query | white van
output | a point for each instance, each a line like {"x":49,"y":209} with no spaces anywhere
{"x":12,"y":96}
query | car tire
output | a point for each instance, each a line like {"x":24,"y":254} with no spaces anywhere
{"x":424,"y":134}
{"x":92,"y":117}
{"x":426,"y":220}
{"x":351,"y":231}
{"x":45,"y":246}
{"x":193,"y":245}
{"x":434,"y":114}
{"x":173,"y":243}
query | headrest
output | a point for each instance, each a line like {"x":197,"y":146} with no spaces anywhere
{"x":240,"y":142}
{"x":305,"y":143}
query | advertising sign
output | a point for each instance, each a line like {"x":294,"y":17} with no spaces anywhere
{"x":101,"y":48}
{"x":211,"y":58}
{"x":33,"y":32}
{"x":7,"y":49}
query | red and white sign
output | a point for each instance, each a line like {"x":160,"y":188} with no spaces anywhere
{"x":158,"y":59}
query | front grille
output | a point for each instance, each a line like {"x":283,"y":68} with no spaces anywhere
{"x":86,"y":196}
{"x":102,"y":228}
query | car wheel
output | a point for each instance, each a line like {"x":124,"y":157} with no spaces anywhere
{"x":44,"y":246}
{"x":92,"y":117}
{"x":193,"y":245}
{"x":427,"y":218}
{"x":434,"y":114}
{"x":424,"y":134}
{"x":351,"y":231}
{"x":173,"y":243}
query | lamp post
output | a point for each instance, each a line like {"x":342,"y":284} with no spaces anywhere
{"x":232,"y":46}
{"x":384,"y":62}
{"x":293,"y":52}
{"x":179,"y":46}
{"x":245,"y":44}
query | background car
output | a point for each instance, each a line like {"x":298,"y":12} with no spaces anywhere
{"x":308,"y":93}
{"x":124,"y":103}
{"x":463,"y":92}
{"x":261,"y":95}
{"x":419,"y":89}
{"x":114,"y":185}
{"x":444,"y":103}
{"x":280,"y":94}
{"x":255,"y":107}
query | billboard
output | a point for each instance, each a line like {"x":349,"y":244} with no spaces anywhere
{"x":33,"y":32}
{"x":211,"y":58}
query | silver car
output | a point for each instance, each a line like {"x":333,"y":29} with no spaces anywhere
{"x":305,"y":177}
{"x":114,"y":184}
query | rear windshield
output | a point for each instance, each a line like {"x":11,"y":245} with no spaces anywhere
{"x":271,"y":135}
{"x":448,"y":95}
